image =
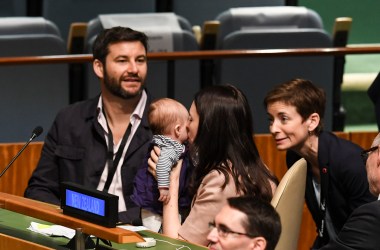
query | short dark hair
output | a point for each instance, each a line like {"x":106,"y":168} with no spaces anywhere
{"x":113,"y":35}
{"x":303,"y":95}
{"x":262,"y":218}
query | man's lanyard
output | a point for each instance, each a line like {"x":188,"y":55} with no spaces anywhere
{"x":112,"y":164}
{"x":324,"y":188}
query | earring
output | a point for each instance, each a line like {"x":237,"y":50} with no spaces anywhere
{"x":310,"y":132}
{"x":310,"y":141}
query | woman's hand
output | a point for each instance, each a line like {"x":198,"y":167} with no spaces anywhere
{"x":152,"y":161}
{"x":170,"y":218}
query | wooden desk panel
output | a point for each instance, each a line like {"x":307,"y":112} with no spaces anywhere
{"x":14,"y":227}
{"x":53,"y":214}
{"x":9,"y":242}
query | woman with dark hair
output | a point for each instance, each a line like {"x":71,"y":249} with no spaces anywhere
{"x":226,"y":159}
{"x":336,"y":181}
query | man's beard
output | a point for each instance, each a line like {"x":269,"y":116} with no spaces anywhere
{"x":114,"y":86}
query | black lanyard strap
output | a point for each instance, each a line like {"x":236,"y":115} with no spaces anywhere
{"x":113,"y":163}
{"x":324,"y":188}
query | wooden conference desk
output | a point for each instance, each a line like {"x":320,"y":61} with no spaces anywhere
{"x":16,"y":214}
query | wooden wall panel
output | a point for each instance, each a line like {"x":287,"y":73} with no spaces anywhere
{"x":273,"y":158}
{"x":343,"y":135}
{"x":15,"y":180}
{"x":364,"y":139}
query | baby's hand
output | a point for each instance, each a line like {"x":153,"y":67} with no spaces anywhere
{"x":164,"y":195}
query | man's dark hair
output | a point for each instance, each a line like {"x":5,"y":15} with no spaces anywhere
{"x":113,"y":35}
{"x":262,"y":218}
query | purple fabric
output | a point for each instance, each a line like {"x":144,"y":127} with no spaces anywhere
{"x":146,"y":194}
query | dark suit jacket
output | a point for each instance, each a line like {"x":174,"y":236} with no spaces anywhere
{"x":347,"y":181}
{"x":361,"y":231}
{"x":75,"y":150}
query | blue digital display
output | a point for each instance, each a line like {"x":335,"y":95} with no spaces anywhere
{"x":85,"y":202}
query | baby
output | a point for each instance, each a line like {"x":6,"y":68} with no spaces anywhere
{"x":167,"y":120}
